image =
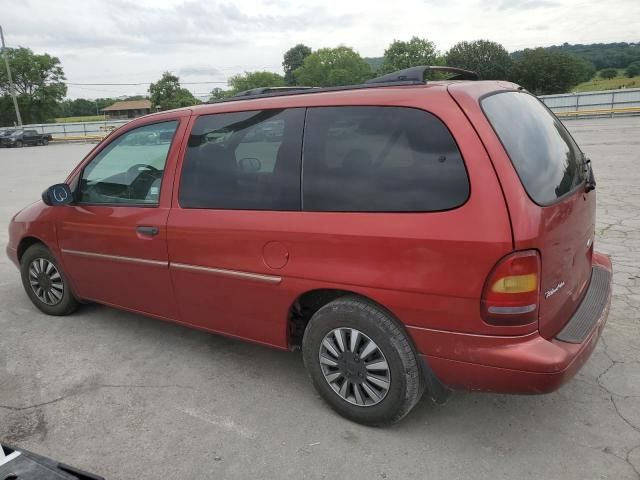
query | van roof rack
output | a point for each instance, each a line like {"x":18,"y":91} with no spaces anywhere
{"x":263,"y":90}
{"x":417,"y":74}
{"x":408,"y":76}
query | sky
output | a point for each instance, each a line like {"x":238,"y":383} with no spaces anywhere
{"x":207,"y":41}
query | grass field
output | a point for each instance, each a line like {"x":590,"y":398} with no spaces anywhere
{"x":88,"y":118}
{"x":599,"y":83}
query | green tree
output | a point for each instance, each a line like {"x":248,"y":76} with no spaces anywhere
{"x":417,"y":51}
{"x":39,"y":84}
{"x":609,"y":73}
{"x":167,"y":93}
{"x":104,"y":102}
{"x":217,"y":93}
{"x":81,"y":106}
{"x":249,"y":80}
{"x":632,"y":69}
{"x":330,"y":67}
{"x":489,"y":59}
{"x":293,"y":59}
{"x":544,"y":72}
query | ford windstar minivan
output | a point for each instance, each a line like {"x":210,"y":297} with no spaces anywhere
{"x":408,"y":236}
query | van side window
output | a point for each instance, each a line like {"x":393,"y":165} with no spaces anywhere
{"x":129,"y":170}
{"x":380,"y":159}
{"x":244,"y":161}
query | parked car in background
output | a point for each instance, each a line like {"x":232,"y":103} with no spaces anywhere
{"x":5,"y":133}
{"x":20,"y":138}
{"x":407,"y":236}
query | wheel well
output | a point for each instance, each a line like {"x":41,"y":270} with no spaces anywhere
{"x":25,"y":243}
{"x":305,"y":306}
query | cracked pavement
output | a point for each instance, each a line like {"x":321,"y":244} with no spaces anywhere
{"x":129,"y":397}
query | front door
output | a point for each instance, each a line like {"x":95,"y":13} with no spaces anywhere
{"x":113,"y":239}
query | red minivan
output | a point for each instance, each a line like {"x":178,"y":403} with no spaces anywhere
{"x":406,"y":235}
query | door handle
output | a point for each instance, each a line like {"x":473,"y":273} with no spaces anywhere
{"x":148,"y":231}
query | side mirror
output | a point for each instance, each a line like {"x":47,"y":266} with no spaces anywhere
{"x":58,"y":194}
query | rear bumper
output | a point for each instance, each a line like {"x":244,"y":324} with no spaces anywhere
{"x":518,"y":364}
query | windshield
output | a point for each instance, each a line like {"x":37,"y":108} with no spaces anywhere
{"x":545,"y":156}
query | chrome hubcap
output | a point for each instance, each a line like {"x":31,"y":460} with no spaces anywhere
{"x":354,"y":366}
{"x":46,"y":281}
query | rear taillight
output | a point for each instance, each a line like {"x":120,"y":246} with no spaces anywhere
{"x":512,"y":290}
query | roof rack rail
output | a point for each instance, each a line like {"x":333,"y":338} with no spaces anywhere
{"x":263,"y":90}
{"x":417,"y":74}
{"x":409,"y":76}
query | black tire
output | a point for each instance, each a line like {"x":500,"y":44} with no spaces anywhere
{"x":67,"y":304}
{"x":406,"y":383}
{"x":19,"y":144}
{"x":45,"y":142}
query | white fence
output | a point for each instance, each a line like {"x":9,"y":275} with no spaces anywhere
{"x":77,"y":130}
{"x":595,"y":104}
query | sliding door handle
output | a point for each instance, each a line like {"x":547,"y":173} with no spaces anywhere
{"x":147,"y":230}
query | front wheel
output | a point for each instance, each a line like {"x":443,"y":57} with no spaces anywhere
{"x":45,"y":282}
{"x":361,"y":361}
{"x":19,"y":144}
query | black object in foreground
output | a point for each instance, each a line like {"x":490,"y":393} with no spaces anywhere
{"x":18,"y":464}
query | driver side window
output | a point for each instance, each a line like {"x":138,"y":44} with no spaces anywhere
{"x":130,"y":169}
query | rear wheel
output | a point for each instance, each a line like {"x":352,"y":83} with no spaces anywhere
{"x":19,"y":144}
{"x":45,"y":141}
{"x":45,"y":282}
{"x":361,"y":361}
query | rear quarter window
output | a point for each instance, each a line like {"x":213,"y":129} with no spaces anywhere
{"x":380,"y":159}
{"x":545,"y":156}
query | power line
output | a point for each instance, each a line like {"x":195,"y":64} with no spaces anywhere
{"x":142,"y":83}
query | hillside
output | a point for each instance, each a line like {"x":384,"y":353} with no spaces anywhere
{"x":374,"y":62}
{"x":602,"y":55}
{"x":598,"y":83}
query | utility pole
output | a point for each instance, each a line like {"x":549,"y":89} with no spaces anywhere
{"x":11,"y":89}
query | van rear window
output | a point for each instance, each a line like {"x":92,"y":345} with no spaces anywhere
{"x":380,"y":159}
{"x":545,"y":156}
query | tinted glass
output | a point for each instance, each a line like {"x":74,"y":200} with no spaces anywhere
{"x":244,"y":161}
{"x":129,"y":170}
{"x":380,"y":159}
{"x":543,"y":153}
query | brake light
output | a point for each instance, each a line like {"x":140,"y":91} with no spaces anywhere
{"x":512,"y":290}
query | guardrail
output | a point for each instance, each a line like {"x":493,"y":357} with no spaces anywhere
{"x":609,"y":112}
{"x":594,"y":104}
{"x":78,"y":138}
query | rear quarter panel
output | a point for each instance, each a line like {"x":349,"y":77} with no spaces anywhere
{"x":562,"y":232}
